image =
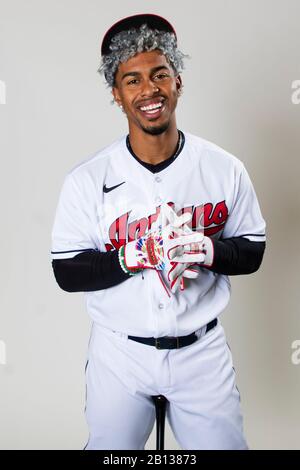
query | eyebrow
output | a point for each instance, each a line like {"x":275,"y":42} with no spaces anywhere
{"x":135,"y":74}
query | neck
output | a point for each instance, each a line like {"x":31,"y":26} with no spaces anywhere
{"x":154,"y":148}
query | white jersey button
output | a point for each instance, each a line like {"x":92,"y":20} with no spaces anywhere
{"x":161,"y":306}
{"x":158,"y":179}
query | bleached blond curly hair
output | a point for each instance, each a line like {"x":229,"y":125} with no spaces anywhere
{"x":127,"y":44}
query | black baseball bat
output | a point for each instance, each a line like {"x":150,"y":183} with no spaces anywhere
{"x":160,"y":402}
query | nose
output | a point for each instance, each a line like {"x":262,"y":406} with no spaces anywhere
{"x":148,"y":88}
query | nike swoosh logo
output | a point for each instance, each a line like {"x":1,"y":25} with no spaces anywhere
{"x":107,"y":190}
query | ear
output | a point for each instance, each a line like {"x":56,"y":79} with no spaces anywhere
{"x":116,"y":95}
{"x":179,"y":84}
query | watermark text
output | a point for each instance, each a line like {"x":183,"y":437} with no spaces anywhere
{"x":296,"y":93}
{"x":2,"y":92}
{"x":2,"y":352}
{"x":295,"y":356}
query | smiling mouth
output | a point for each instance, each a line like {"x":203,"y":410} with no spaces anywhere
{"x":152,"y":111}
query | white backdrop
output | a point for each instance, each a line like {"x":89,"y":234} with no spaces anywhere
{"x":241,"y":93}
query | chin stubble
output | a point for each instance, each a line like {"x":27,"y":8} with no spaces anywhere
{"x":156,"y":130}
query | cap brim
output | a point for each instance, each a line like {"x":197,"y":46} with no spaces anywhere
{"x":135,"y":21}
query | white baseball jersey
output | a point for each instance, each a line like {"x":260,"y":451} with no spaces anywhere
{"x":111,"y":198}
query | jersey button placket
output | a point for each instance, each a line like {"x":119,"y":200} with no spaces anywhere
{"x":164,"y":318}
{"x":157,"y":187}
{"x":160,"y":306}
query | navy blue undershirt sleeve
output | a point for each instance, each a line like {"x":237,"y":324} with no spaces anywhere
{"x":237,"y":255}
{"x":89,"y":271}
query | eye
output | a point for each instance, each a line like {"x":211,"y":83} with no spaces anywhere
{"x":132,"y":82}
{"x":161,"y":76}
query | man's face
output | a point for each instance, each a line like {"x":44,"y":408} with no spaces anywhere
{"x":147,"y":88}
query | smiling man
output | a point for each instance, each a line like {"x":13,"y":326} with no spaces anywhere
{"x":150,"y":228}
{"x":147,"y":89}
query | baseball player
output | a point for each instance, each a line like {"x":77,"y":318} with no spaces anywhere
{"x":150,"y":228}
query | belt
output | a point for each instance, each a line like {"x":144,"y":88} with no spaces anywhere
{"x":172,"y":342}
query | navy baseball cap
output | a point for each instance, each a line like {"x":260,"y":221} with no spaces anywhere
{"x":135,"y":21}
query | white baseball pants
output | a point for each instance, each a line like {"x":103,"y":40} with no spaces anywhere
{"x":198,"y":381}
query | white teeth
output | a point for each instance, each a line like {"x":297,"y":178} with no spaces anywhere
{"x":153,"y":111}
{"x":151,"y":107}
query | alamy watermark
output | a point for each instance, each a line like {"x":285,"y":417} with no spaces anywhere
{"x":295,"y":356}
{"x":2,"y":352}
{"x":2,"y":92}
{"x":296,"y":93}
